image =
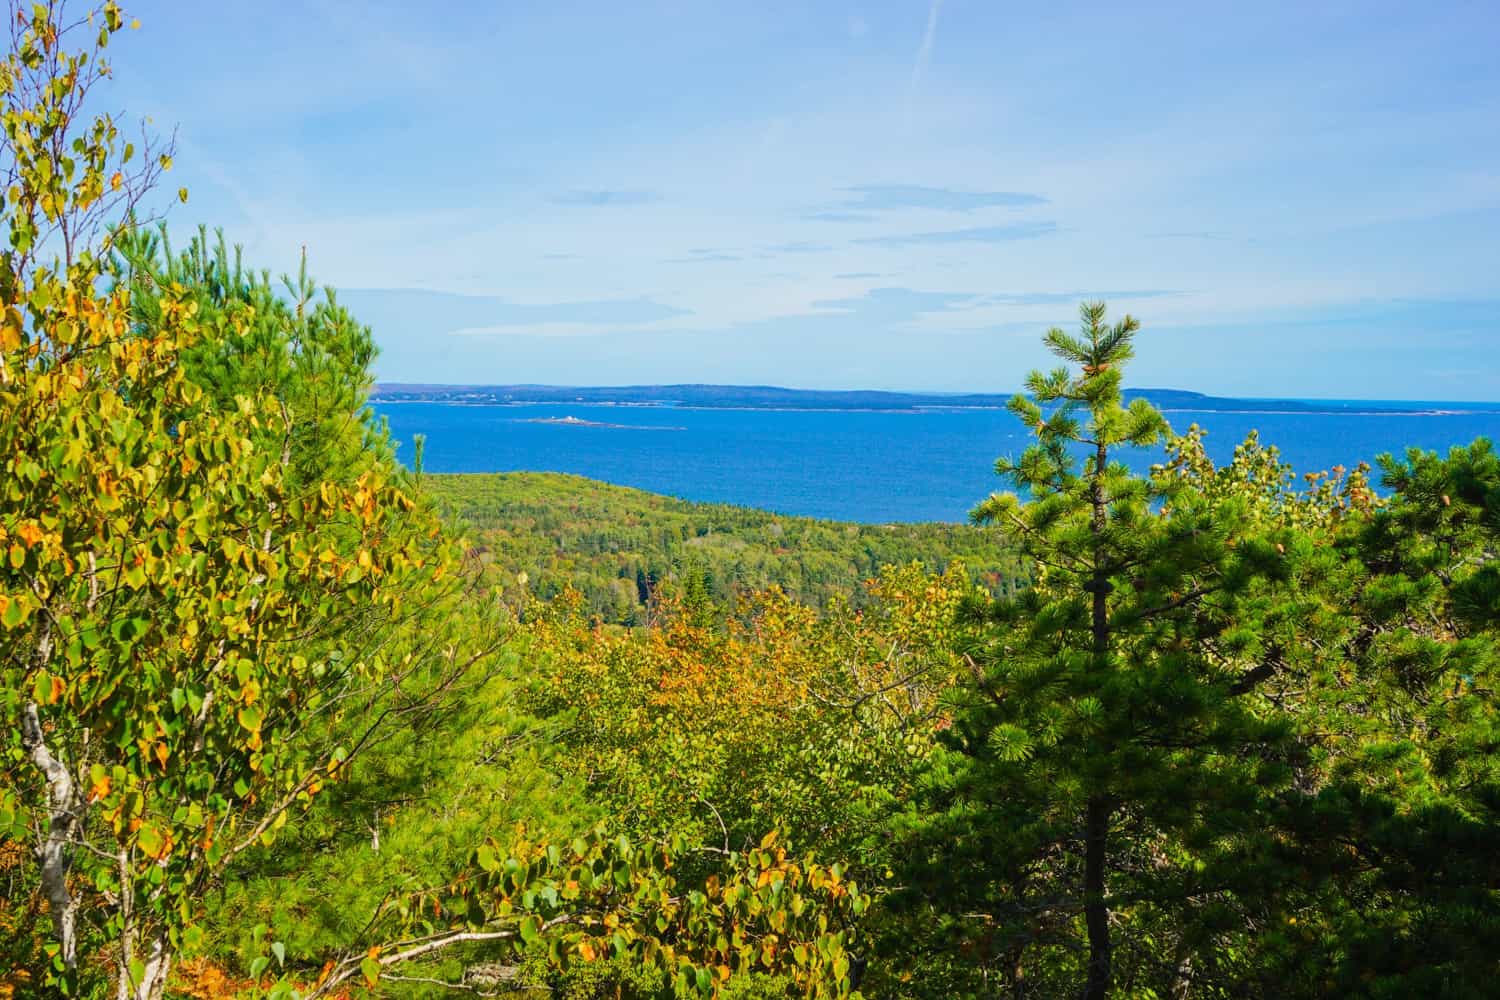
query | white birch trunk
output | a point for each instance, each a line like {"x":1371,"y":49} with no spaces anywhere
{"x":55,"y":851}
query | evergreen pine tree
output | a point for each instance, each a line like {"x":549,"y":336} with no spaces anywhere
{"x":1397,"y":891}
{"x":1108,"y":765}
{"x":291,"y":342}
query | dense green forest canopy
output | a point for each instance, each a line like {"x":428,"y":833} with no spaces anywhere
{"x":282,"y":719}
{"x":619,"y":547}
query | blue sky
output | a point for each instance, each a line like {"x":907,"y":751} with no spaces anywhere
{"x":1296,"y":199}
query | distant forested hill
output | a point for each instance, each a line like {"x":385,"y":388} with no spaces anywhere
{"x":766,"y":397}
{"x":617,"y":545}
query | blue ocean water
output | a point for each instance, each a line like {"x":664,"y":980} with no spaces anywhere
{"x":869,"y":466}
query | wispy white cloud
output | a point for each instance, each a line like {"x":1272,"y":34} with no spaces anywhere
{"x":838,"y":217}
{"x":1204,"y":235}
{"x":703,"y":258}
{"x":924,"y":56}
{"x":897,"y":305}
{"x":891,"y":197}
{"x":607,"y":197}
{"x":419,"y":313}
{"x":799,"y":246}
{"x":974,"y":234}
{"x":1070,"y":298}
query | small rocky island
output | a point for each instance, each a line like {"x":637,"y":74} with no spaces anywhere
{"x":579,"y":422}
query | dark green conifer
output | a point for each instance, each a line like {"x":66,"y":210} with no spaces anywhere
{"x":1397,"y":886}
{"x":1107,"y":761}
{"x":299,"y":345}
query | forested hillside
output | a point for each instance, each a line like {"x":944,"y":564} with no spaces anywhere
{"x":282,"y":719}
{"x":618,"y":547}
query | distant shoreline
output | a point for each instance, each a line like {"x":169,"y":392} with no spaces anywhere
{"x":1247,"y":407}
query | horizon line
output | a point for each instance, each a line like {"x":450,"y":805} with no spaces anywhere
{"x":380,"y":384}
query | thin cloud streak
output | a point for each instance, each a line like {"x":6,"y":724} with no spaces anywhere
{"x":894,"y":197}
{"x":799,"y":246}
{"x":978,"y":234}
{"x":1216,"y":237}
{"x":606,"y":197}
{"x":702,"y":258}
{"x":1068,"y":298}
{"x":924,"y":56}
{"x":838,"y":217}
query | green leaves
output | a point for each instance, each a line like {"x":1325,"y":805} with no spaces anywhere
{"x":150,"y":841}
{"x":165,"y":610}
{"x":609,"y":896}
{"x":127,"y":630}
{"x":14,"y":610}
{"x":250,"y":718}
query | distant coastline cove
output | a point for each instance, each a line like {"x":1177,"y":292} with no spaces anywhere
{"x":871,"y":464}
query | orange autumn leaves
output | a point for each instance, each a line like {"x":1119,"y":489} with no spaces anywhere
{"x":778,"y":718}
